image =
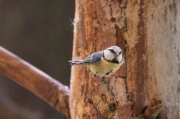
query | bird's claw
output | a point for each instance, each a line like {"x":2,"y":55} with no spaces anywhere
{"x":103,"y":78}
{"x":94,"y":76}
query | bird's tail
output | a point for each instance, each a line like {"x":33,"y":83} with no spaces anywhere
{"x":77,"y":62}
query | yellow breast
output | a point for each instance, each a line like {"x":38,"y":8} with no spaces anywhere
{"x":102,"y":67}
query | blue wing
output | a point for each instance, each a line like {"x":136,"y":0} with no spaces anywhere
{"x":93,"y":58}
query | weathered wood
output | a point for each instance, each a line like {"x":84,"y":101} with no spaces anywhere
{"x":36,"y":81}
{"x":153,"y":54}
{"x":153,"y":109}
{"x":163,"y":49}
{"x":98,"y":25}
{"x":150,"y":39}
{"x":136,"y":37}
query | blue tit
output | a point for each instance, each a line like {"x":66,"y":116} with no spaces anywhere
{"x":103,"y":63}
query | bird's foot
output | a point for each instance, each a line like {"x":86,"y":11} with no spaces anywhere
{"x":94,"y":76}
{"x":108,"y":73}
{"x":103,"y":78}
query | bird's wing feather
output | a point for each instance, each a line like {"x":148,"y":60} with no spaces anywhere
{"x":94,"y":58}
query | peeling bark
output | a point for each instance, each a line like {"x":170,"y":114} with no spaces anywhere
{"x":147,"y":31}
{"x":98,"y":25}
{"x":163,"y":48}
{"x":153,"y":55}
{"x":136,"y":54}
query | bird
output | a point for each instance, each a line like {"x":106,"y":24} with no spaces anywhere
{"x":103,"y":63}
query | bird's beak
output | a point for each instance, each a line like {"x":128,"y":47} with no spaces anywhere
{"x":117,"y":54}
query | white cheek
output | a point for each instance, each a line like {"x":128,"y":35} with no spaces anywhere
{"x":108,"y":55}
{"x":120,"y":58}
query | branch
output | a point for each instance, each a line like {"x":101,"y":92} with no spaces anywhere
{"x":36,"y":81}
{"x":153,"y":109}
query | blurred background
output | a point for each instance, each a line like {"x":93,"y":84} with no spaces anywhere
{"x":40,"y":32}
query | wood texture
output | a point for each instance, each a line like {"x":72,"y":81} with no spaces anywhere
{"x":163,"y":48}
{"x":36,"y":81}
{"x":97,"y":25}
{"x":150,"y":41}
{"x":148,"y":33}
{"x":153,"y":54}
{"x":136,"y":47}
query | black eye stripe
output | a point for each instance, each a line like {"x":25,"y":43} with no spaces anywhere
{"x":111,"y":50}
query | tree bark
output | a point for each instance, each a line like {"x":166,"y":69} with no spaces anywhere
{"x":36,"y":81}
{"x":163,"y":58}
{"x":98,"y":25}
{"x":148,"y":33}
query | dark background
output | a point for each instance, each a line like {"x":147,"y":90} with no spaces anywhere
{"x":40,"y":32}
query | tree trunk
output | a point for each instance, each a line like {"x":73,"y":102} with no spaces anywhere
{"x":148,"y":32}
{"x":98,"y":25}
{"x":163,"y":58}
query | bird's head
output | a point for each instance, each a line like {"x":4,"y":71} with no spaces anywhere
{"x":113,"y":53}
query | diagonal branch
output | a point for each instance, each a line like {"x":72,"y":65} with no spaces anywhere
{"x":36,"y":81}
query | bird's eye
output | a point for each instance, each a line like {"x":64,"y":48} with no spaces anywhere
{"x":119,"y":53}
{"x":111,"y":50}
